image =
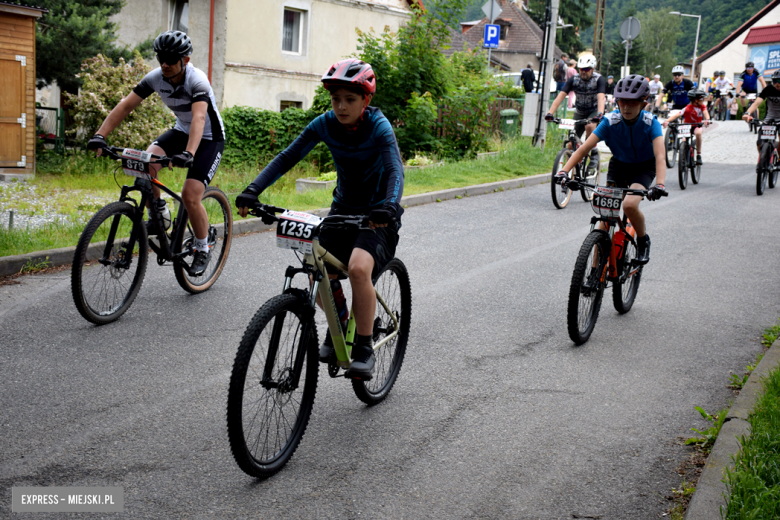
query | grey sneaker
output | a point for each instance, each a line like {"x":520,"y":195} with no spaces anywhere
{"x":327,"y":349}
{"x":200,"y":262}
{"x":362,"y":366}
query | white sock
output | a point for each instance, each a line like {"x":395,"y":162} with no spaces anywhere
{"x":201,"y":244}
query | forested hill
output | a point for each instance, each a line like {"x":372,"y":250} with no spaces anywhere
{"x":718,"y":19}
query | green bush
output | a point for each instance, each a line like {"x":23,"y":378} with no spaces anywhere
{"x":104,"y":85}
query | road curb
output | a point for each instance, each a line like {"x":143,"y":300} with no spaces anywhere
{"x":711,"y":492}
{"x":56,"y":257}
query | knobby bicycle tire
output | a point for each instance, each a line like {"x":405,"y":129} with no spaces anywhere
{"x":220,"y":237}
{"x":762,"y":172}
{"x":624,"y":294}
{"x":682,"y":166}
{"x":560,"y":195}
{"x":104,"y":288}
{"x":695,"y":172}
{"x":587,"y":195}
{"x":670,"y":146}
{"x":587,"y":286}
{"x":394,"y":286}
{"x":773,"y":168}
{"x":263,"y":430}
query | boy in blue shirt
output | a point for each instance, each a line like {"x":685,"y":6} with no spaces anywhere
{"x":370,"y":181}
{"x":638,"y":156}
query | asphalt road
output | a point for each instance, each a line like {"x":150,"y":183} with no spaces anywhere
{"x":496,"y":414}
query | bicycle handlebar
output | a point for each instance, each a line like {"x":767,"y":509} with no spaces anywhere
{"x":115,"y":152}
{"x":629,"y":191}
{"x":268,"y":214}
{"x":576,"y":121}
{"x":678,"y":123}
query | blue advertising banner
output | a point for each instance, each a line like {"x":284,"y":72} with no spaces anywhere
{"x":766,"y":58}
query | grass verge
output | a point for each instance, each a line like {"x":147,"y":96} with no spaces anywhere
{"x":77,"y":185}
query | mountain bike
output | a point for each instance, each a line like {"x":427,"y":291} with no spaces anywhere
{"x":671,"y":143}
{"x":606,"y":256}
{"x":687,"y":160}
{"x":718,"y":105}
{"x":274,"y":376}
{"x":560,"y":194}
{"x":111,"y":256}
{"x":768,"y":164}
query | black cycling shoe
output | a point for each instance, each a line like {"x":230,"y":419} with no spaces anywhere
{"x":642,"y":250}
{"x":362,"y":366}
{"x":698,"y":160}
{"x":327,"y":349}
{"x":151,"y":229}
{"x":200,"y":262}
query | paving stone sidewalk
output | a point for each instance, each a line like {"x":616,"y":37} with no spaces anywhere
{"x":729,"y":142}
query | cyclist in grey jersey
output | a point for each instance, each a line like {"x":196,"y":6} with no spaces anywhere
{"x":771,"y":94}
{"x":196,"y":142}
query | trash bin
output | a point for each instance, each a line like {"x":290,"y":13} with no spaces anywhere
{"x":510,"y":120}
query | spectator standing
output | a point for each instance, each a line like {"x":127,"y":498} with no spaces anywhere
{"x":527,"y":76}
{"x":732,"y":107}
{"x":560,"y":72}
{"x":569,"y":73}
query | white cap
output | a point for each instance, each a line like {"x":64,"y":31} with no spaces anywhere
{"x":657,"y":76}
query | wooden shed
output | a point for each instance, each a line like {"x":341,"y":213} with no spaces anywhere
{"x":17,"y":89}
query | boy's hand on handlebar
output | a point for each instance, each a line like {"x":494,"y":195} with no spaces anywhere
{"x":549,"y":117}
{"x":379,"y":218}
{"x":246,"y":201}
{"x":656,"y":192}
{"x":97,"y":143}
{"x":665,"y":124}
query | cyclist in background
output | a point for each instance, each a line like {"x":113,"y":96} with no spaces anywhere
{"x":655,"y":88}
{"x":197,"y":140}
{"x":370,"y":182}
{"x":677,"y":89}
{"x":748,"y":81}
{"x":771,"y":95}
{"x":694,"y":112}
{"x":636,"y":140}
{"x":720,"y":86}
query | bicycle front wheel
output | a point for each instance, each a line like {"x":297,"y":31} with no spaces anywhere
{"x":774,"y":168}
{"x":695,"y":172}
{"x":272,"y":386}
{"x":624,"y":289}
{"x":682,"y":166}
{"x":593,"y":178}
{"x":393,"y":285}
{"x":560,"y":195}
{"x":670,"y":147}
{"x":587,"y":286}
{"x":762,"y":172}
{"x":109,"y":263}
{"x":220,"y":236}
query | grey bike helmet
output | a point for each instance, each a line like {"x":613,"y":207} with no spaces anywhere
{"x":632,"y":86}
{"x":696,"y":93}
{"x":776,"y":76}
{"x":173,"y":43}
{"x":750,"y":65}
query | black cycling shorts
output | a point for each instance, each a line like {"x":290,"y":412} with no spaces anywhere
{"x":207,"y":157}
{"x":623,"y":175}
{"x":678,"y":107}
{"x":750,"y":91}
{"x":379,"y":243}
{"x":579,"y":128}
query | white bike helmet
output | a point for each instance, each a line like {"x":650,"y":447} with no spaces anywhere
{"x":587,"y":61}
{"x":678,"y":68}
{"x":657,"y":76}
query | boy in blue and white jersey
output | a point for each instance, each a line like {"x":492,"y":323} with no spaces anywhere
{"x":636,"y":140}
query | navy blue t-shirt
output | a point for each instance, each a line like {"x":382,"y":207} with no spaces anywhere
{"x":629,"y":143}
{"x":370,"y":173}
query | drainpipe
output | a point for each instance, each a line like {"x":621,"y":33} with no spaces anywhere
{"x":211,"y":37}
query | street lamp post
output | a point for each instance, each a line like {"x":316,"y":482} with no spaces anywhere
{"x":696,"y":43}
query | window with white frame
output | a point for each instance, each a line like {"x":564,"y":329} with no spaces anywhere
{"x":293,"y":30}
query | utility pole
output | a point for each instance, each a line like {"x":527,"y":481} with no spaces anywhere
{"x":545,"y":70}
{"x":598,"y":34}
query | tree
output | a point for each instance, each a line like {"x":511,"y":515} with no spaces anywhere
{"x":72,"y":31}
{"x":572,"y":12}
{"x":658,"y":40}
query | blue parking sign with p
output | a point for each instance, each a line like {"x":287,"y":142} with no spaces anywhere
{"x":492,"y":33}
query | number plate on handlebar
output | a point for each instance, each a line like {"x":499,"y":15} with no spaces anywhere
{"x":136,"y":163}
{"x":606,"y":201}
{"x":295,"y":230}
{"x":751,"y":97}
{"x":683,"y":131}
{"x":768,"y":132}
{"x":566,"y":124}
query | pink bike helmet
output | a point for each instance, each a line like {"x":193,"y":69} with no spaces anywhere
{"x":351,"y":73}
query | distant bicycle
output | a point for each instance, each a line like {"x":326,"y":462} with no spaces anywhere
{"x":274,"y":377}
{"x":561,"y":195}
{"x":111,"y":256}
{"x":606,"y":256}
{"x":687,"y":160}
{"x":768,"y":159}
{"x":671,"y":144}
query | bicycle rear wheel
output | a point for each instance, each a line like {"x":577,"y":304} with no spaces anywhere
{"x":560,"y":195}
{"x":220,"y":236}
{"x":587,"y":195}
{"x":587,"y":286}
{"x":762,"y":172}
{"x":774,"y":168}
{"x":107,"y":271}
{"x":624,"y":292}
{"x":670,"y":147}
{"x":695,"y":172}
{"x":682,"y":166}
{"x":269,"y":402}
{"x":396,"y":290}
